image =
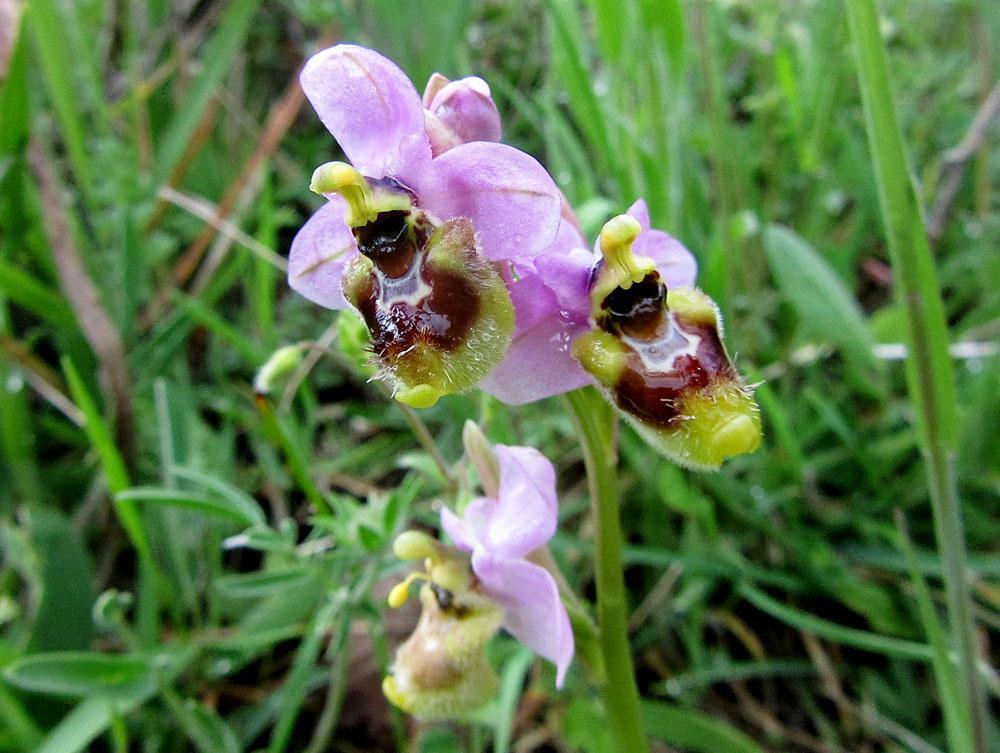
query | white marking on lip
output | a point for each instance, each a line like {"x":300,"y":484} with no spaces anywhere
{"x":659,"y":354}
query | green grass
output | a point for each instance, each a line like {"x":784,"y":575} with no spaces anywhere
{"x":236,"y":555}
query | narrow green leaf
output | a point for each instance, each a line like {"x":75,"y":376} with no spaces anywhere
{"x":236,"y":497}
{"x":694,"y":730}
{"x":611,"y":17}
{"x":203,"y":726}
{"x":52,"y":43}
{"x":39,"y":299}
{"x":261,"y":584}
{"x":100,"y":436}
{"x":14,"y":103}
{"x":188,"y":500}
{"x":879,"y":644}
{"x":85,"y":723}
{"x":511,"y":683}
{"x":217,"y":58}
{"x":956,"y":723}
{"x":929,"y":370}
{"x":21,"y":727}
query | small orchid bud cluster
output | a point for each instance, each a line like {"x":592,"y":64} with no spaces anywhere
{"x":484,"y":582}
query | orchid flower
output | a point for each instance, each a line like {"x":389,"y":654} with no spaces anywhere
{"x":416,"y":225}
{"x":501,"y":531}
{"x":551,"y":295}
{"x":655,"y":348}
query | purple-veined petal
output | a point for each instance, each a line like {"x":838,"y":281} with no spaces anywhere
{"x":510,"y":198}
{"x":524,"y":517}
{"x":539,"y":363}
{"x":319,"y":252}
{"x":371,"y":108}
{"x":533,"y":611}
{"x":674,"y":262}
{"x":467,"y":108}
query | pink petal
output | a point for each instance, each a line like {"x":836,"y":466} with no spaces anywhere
{"x":531,"y":295}
{"x":473,"y":527}
{"x":371,"y":108}
{"x":640,"y":212}
{"x":467,"y":108}
{"x":458,"y":530}
{"x":524,"y":517}
{"x":567,"y":275}
{"x":533,"y":611}
{"x":435,"y":83}
{"x":319,"y":252}
{"x":675,"y":263}
{"x":509,"y":197}
{"x":539,"y":364}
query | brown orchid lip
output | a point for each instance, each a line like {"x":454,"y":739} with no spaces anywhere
{"x":669,"y":357}
{"x":399,"y":318}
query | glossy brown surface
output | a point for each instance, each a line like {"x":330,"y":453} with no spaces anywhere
{"x":655,"y":335}
{"x":387,"y":242}
{"x":638,"y":310}
{"x":653,"y":395}
{"x":442,"y":318}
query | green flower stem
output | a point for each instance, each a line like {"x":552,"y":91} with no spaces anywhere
{"x":930,"y":375}
{"x":594,"y":420}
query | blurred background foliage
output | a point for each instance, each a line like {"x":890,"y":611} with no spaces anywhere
{"x":188,"y":566}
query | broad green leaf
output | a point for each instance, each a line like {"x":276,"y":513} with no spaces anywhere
{"x":63,"y":619}
{"x":82,"y":674}
{"x":822,"y":301}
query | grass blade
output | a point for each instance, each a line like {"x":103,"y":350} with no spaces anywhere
{"x":930,"y":376}
{"x":217,"y":57}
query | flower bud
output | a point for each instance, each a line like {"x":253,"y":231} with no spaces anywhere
{"x":280,"y":365}
{"x":458,"y":112}
{"x":483,"y":457}
{"x":660,"y":358}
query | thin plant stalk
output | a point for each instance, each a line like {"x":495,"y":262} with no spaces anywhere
{"x":594,"y":421}
{"x":930,"y":376}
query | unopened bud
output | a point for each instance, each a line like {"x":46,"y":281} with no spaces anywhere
{"x":483,"y":457}
{"x":415,"y":545}
{"x":282,"y":363}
